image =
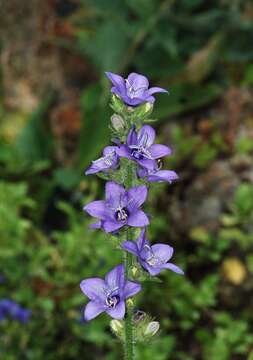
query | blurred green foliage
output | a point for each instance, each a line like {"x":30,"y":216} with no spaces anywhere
{"x":197,"y":50}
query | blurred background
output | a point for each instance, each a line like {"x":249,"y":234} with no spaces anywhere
{"x":54,"y":118}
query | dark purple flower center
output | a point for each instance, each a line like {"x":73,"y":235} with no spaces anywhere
{"x":139,"y":152}
{"x":112,"y":301}
{"x":138,"y":155}
{"x":121,"y":214}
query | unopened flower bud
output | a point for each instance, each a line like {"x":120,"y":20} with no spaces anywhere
{"x":134,"y":270}
{"x":152,"y":328}
{"x":148,"y":107}
{"x":117,"y":122}
{"x":116,"y":326}
{"x":130,"y":302}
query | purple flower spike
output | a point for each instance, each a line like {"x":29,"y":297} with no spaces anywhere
{"x":109,"y":160}
{"x":108,"y":295}
{"x":152,"y":258}
{"x":157,"y":175}
{"x":134,"y":90}
{"x":121,"y":207}
{"x":140,"y":147}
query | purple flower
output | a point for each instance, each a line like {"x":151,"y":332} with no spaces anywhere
{"x":152,"y":258}
{"x":134,"y":90}
{"x":9,"y":308}
{"x":108,"y":295}
{"x":109,"y":160}
{"x":156,"y":175}
{"x":121,"y":207}
{"x":140,"y":148}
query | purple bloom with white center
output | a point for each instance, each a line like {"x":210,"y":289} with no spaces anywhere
{"x":140,"y":147}
{"x":134,"y":90}
{"x":108,"y":295}
{"x":152,"y":258}
{"x":157,"y":175}
{"x":121,"y":207}
{"x":108,"y":161}
{"x":9,"y":308}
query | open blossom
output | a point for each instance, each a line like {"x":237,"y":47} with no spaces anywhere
{"x":10,"y":309}
{"x":157,"y":175}
{"x":121,"y":207}
{"x":109,"y":160}
{"x":108,"y":295}
{"x":140,"y":147}
{"x":152,"y":258}
{"x":134,"y":90}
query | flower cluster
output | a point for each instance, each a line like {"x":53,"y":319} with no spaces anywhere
{"x":129,"y":166}
{"x":10,"y":309}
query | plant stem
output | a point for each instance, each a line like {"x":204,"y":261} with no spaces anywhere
{"x":129,"y":331}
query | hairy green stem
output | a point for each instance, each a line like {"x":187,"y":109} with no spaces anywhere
{"x":129,"y":330}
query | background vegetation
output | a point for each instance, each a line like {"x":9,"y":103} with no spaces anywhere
{"x":54,"y":117}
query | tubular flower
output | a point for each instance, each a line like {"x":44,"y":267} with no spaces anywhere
{"x":108,"y":295}
{"x":108,"y":161}
{"x":152,"y":258}
{"x":134,"y":90}
{"x":121,"y":207}
{"x":140,"y":147}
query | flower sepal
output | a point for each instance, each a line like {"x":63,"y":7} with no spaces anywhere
{"x":139,"y":274}
{"x":118,"y":105}
{"x":145,"y":327}
{"x":143,"y":111}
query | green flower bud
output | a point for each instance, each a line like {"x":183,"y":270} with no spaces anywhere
{"x":116,"y":327}
{"x":117,"y":122}
{"x":152,"y":328}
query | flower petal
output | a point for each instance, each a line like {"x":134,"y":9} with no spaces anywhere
{"x":138,"y":81}
{"x":156,"y":89}
{"x":162,"y":251}
{"x":142,"y":172}
{"x":114,"y":193}
{"x":92,"y":310}
{"x":136,"y":196}
{"x":173,"y":267}
{"x":96,"y":209}
{"x":117,"y":81}
{"x":96,"y":225}
{"x":131,"y":288}
{"x":97,"y":166}
{"x":138,"y":219}
{"x":110,"y":226}
{"x":163,"y":175}
{"x":94,"y":289}
{"x":116,"y":277}
{"x":132,"y":137}
{"x":131,"y":247}
{"x":146,"y":136}
{"x":153,"y":270}
{"x":150,"y":99}
{"x":118,"y":312}
{"x":124,"y":152}
{"x":157,"y":151}
{"x":141,"y":241}
{"x":147,"y":164}
{"x":110,"y":150}
{"x":133,"y":101}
